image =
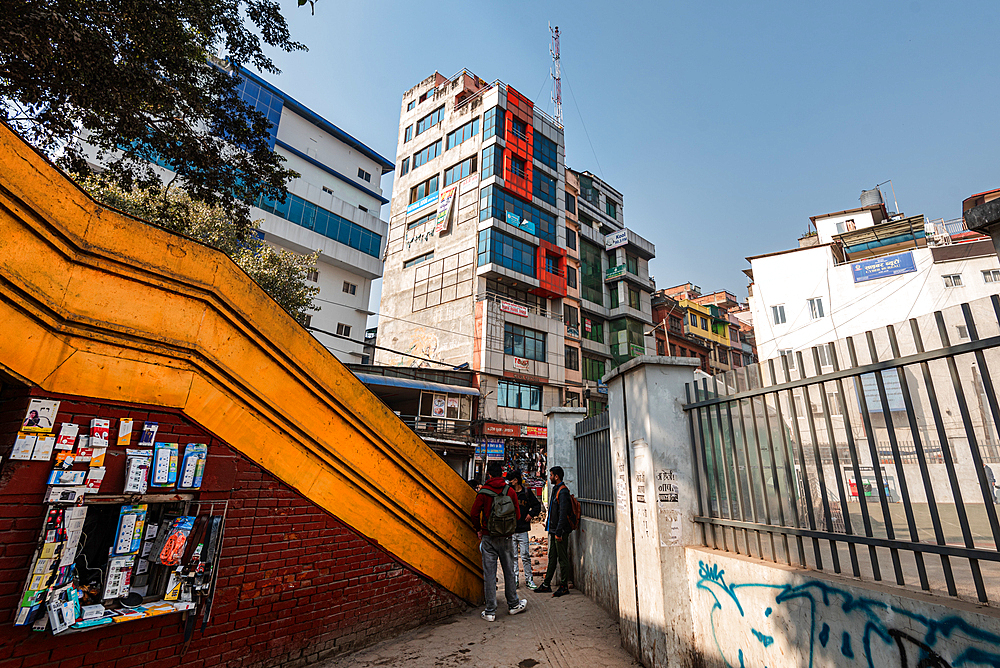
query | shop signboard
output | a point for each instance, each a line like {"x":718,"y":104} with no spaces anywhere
{"x":527,"y":431}
{"x":637,"y":350}
{"x":883,"y":267}
{"x":494,"y":449}
{"x":520,"y":363}
{"x":619,"y":238}
{"x":496,"y":429}
{"x":602,"y":387}
{"x":615,"y":272}
{"x":515,"y":309}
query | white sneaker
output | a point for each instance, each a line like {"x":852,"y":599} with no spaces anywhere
{"x":489,"y":616}
{"x":521,"y":605}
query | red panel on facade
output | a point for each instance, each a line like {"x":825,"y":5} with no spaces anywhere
{"x":293,"y":580}
{"x":549,"y":256}
{"x":519,"y":145}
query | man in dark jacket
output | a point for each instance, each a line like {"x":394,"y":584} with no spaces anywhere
{"x":557,"y":524}
{"x":496,"y":546}
{"x":530,"y":506}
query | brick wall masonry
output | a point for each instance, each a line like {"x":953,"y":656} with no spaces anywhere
{"x":295,"y":584}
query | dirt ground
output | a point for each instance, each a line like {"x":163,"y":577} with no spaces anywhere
{"x":567,"y":632}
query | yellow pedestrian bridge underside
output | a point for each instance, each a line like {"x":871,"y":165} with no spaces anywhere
{"x":97,"y":304}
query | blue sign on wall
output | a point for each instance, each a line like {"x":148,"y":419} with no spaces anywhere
{"x":883,"y":267}
{"x":492,"y":449}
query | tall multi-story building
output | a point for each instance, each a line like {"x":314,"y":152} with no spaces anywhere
{"x":482,"y":267}
{"x":333,"y":207}
{"x":710,"y":321}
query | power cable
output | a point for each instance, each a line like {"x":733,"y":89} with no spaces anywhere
{"x":372,"y":345}
{"x":582,"y":122}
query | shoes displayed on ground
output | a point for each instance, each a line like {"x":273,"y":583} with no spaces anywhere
{"x":543,"y":589}
{"x":532,"y":585}
{"x":562,"y":591}
{"x":489,"y":616}
{"x":521,"y":605}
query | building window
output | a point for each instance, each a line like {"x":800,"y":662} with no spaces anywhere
{"x":492,"y":161}
{"x":544,"y":187}
{"x":823,"y":351}
{"x":518,"y":395}
{"x":675,"y":324}
{"x":495,"y":202}
{"x":493,"y":123}
{"x":545,"y":151}
{"x":362,"y":174}
{"x":428,"y":94}
{"x":460,"y":171}
{"x":506,"y":251}
{"x":593,"y":369}
{"x":614,"y":296}
{"x":350,"y":288}
{"x":693,"y":319}
{"x":704,"y":324}
{"x":571,"y":316}
{"x":430,"y":120}
{"x":404,"y":167}
{"x":307,"y":321}
{"x":467,"y":131}
{"x":778,"y":314}
{"x":422,"y":190}
{"x":427,"y":154}
{"x":417,"y":260}
{"x":517,"y":166}
{"x":660,"y":347}
{"x":570,"y":203}
{"x":963,"y":331}
{"x":991,"y":276}
{"x":952,"y":280}
{"x":789,"y":357}
{"x":523,"y":342}
{"x":263,"y":101}
{"x":411,"y":105}
{"x":816,"y":308}
{"x":591,"y":273}
{"x":312,"y":275}
{"x":723,"y":356}
{"x":572,"y":399}
{"x":572,"y":358}
{"x":632,"y":264}
{"x":363,"y":208}
{"x":518,"y":127}
{"x":570,"y":276}
{"x":633,"y":299}
{"x":421,"y":220}
{"x":611,"y":208}
{"x":326,"y":223}
{"x":593,"y":330}
{"x":327,"y":190}
{"x":408,"y":133}
{"x":343,"y":330}
{"x":570,"y":239}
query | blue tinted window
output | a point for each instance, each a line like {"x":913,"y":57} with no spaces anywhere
{"x":404,"y":167}
{"x":430,"y":120}
{"x":506,"y":251}
{"x":467,"y":131}
{"x":545,"y":187}
{"x":299,"y":211}
{"x":497,"y":203}
{"x":460,"y":171}
{"x":493,"y":123}
{"x":263,"y":101}
{"x":523,"y":342}
{"x":492,"y":161}
{"x":408,"y":133}
{"x":519,"y":395}
{"x":545,"y":151}
{"x":429,"y":153}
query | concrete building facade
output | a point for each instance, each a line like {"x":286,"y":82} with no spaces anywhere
{"x":482,"y":267}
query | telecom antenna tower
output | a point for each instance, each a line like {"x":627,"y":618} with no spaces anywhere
{"x":556,"y":75}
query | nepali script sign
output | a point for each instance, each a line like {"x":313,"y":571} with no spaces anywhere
{"x":883,"y":267}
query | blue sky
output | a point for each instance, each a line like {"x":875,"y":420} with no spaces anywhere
{"x":725,"y":125}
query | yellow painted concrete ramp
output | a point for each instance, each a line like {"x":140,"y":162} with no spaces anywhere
{"x":100,"y":305}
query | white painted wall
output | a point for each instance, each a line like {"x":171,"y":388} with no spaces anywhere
{"x":851,"y":308}
{"x":827,"y":227}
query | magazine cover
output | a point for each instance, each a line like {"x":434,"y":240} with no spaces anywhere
{"x":41,"y":416}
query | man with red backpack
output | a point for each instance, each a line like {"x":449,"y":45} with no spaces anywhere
{"x":495,"y":513}
{"x":559,"y":522}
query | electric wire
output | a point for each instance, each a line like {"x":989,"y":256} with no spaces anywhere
{"x":582,"y":122}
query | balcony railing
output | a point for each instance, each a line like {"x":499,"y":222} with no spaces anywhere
{"x":531,"y":308}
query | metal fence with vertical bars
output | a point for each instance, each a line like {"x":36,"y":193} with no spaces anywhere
{"x":594,"y":475}
{"x":868,"y":453}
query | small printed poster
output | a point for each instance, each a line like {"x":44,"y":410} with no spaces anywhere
{"x":41,"y":416}
{"x":452,"y":402}
{"x":438,"y":409}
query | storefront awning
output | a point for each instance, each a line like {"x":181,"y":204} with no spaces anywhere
{"x":374,"y":379}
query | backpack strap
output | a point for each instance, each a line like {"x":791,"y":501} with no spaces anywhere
{"x":488,"y":492}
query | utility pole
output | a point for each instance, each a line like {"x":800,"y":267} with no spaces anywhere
{"x":556,"y":74}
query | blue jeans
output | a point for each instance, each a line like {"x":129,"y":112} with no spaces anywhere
{"x":522,"y":550}
{"x":502,"y":548}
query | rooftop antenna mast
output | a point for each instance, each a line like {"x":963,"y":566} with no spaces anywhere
{"x":556,"y":74}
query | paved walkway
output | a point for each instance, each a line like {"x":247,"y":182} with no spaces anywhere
{"x":566,"y":632}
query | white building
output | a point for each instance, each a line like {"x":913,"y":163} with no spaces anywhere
{"x":333,"y":206}
{"x":862,"y":270}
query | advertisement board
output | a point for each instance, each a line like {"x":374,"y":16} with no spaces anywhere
{"x":615,"y":272}
{"x":520,"y":363}
{"x":496,"y":429}
{"x":534,"y":432}
{"x":515,"y":309}
{"x":883,"y":267}
{"x":444,"y":209}
{"x":421,"y":203}
{"x":619,"y":238}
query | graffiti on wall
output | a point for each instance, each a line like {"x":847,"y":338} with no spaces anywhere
{"x":754,"y":624}
{"x":425,"y":344}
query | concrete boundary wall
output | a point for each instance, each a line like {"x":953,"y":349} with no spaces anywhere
{"x":751,"y":613}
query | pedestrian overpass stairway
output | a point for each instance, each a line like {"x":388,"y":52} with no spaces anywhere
{"x":97,"y":304}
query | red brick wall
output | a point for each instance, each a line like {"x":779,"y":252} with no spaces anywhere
{"x":295,"y":584}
